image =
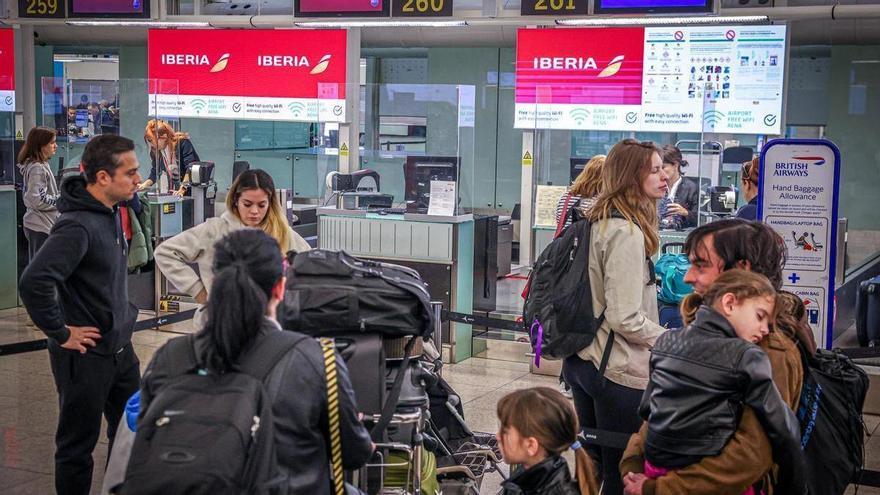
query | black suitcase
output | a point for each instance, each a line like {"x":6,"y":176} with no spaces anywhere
{"x":331,"y":293}
{"x":868,"y":313}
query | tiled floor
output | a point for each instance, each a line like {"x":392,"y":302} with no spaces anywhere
{"x":28,"y":404}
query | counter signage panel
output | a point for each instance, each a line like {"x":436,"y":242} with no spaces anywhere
{"x":798,"y":197}
{"x":7,"y":70}
{"x":109,"y":8}
{"x":653,"y":6}
{"x":422,"y":8}
{"x":42,"y":9}
{"x":554,"y":7}
{"x":666,"y":79}
{"x":343,"y":8}
{"x":292,"y":75}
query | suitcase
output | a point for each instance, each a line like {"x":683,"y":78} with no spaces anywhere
{"x":868,"y":313}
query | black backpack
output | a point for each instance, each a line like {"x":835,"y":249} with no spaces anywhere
{"x":830,"y":414}
{"x":558,"y":311}
{"x":205,"y":433}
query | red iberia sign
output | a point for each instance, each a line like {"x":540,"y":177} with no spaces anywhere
{"x":296,"y":75}
{"x":7,"y":70}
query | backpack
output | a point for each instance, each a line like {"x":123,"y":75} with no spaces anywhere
{"x":830,"y":415}
{"x":205,"y":433}
{"x":558,"y":311}
{"x":331,"y":293}
{"x":671,"y":269}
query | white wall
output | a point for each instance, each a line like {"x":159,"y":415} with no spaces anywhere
{"x":101,"y":71}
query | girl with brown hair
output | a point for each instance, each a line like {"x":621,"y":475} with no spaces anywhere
{"x":171,"y":153}
{"x":40,"y":190}
{"x":608,"y":377}
{"x":703,"y":375}
{"x":537,"y":426}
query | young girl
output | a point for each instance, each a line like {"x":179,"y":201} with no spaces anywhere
{"x":537,"y":426}
{"x":703,"y":375}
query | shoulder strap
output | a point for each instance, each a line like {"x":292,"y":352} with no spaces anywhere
{"x":562,"y":216}
{"x":268,"y":351}
{"x":181,"y":355}
{"x":328,"y":348}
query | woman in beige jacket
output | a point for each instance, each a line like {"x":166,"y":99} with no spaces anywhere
{"x":622,"y":238}
{"x":251,"y":202}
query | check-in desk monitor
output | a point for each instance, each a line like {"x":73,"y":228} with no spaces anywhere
{"x":419,"y":171}
{"x":577,"y":166}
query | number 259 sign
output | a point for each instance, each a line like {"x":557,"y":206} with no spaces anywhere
{"x":44,"y":9}
{"x":422,"y":8}
{"x":553,"y":7}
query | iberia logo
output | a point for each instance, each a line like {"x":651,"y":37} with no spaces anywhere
{"x":613,"y":67}
{"x":221,"y":64}
{"x":816,"y":160}
{"x":321,"y":65}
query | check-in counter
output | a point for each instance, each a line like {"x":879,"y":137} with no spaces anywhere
{"x":9,"y":260}
{"x":440,"y":248}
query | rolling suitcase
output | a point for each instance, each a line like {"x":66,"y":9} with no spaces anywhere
{"x":868,"y":312}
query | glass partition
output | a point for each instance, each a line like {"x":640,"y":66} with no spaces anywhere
{"x":408,"y":129}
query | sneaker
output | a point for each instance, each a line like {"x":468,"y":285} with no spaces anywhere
{"x":564,"y":389}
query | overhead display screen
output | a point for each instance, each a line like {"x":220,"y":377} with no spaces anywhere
{"x":109,"y":8}
{"x":665,"y":79}
{"x":248,"y":74}
{"x":653,"y":6}
{"x":341,"y":8}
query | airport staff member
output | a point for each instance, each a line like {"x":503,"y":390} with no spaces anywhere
{"x":172,"y":154}
{"x":683,"y":195}
{"x":749,"y":211}
{"x":76,"y":292}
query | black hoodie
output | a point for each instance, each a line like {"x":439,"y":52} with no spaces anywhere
{"x":85,"y":260}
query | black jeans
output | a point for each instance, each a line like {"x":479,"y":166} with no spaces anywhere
{"x":35,"y":242}
{"x":603,"y":405}
{"x":89,"y":386}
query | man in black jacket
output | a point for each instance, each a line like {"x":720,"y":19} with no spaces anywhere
{"x":89,"y":323}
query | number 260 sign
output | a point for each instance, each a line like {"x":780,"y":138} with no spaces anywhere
{"x":422,"y":8}
{"x":553,"y":7}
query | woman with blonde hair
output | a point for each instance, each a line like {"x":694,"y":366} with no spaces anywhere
{"x":608,"y":377}
{"x":584,"y":190}
{"x":251,"y":202}
{"x":171,"y":154}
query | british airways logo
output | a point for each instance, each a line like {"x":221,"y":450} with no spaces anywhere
{"x":816,"y":160}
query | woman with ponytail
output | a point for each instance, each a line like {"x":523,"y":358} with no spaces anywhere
{"x":702,"y":377}
{"x":248,"y":285}
{"x":537,"y":426}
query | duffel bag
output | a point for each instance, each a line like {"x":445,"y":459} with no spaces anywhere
{"x":329,"y":293}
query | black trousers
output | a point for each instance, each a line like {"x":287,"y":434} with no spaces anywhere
{"x":35,"y":242}
{"x":603,"y":405}
{"x":89,"y":386}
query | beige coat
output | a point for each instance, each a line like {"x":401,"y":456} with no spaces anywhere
{"x":196,"y":246}
{"x":619,"y":281}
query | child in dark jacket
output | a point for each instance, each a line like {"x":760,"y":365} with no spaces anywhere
{"x":703,"y":375}
{"x":537,"y":426}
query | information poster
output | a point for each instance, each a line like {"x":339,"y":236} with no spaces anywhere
{"x":726,"y":79}
{"x":7,"y":70}
{"x":798,"y":198}
{"x":256,"y":74}
{"x":546,"y":199}
{"x":443,"y":198}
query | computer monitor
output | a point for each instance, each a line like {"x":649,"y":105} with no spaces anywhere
{"x":577,"y":166}
{"x":418,"y":173}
